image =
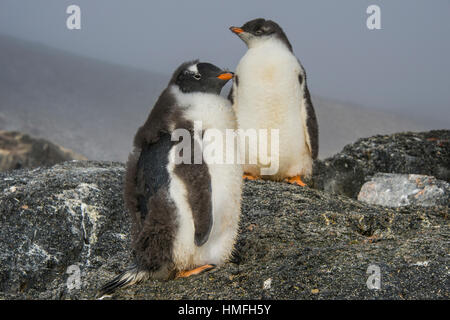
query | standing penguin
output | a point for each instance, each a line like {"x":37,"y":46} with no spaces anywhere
{"x":270,"y":92}
{"x":184,"y":215}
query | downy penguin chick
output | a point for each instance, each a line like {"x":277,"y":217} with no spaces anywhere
{"x":184,"y":215}
{"x":270,"y":92}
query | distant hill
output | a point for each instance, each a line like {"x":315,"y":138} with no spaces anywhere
{"x":91,"y":107}
{"x":94,"y":107}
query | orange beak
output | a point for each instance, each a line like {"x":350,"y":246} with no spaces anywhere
{"x":225,"y":76}
{"x":236,"y":30}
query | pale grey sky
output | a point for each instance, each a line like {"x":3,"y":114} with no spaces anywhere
{"x":404,"y":67}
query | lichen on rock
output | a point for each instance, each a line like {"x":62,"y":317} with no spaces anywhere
{"x":425,"y":153}
{"x":310,"y":243}
{"x":396,"y":190}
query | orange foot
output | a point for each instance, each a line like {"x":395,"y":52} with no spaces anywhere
{"x":249,"y":176}
{"x":296,"y":180}
{"x":193,"y":272}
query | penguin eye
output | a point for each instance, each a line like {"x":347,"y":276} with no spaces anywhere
{"x":258,"y":31}
{"x":197,"y":76}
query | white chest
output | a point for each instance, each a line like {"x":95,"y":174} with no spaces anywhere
{"x":269,"y":96}
{"x":268,"y":92}
{"x":213,"y":112}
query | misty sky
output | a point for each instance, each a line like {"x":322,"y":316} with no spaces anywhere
{"x":404,"y":67}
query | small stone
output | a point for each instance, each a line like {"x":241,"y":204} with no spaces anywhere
{"x":397,"y":190}
{"x":267,"y":284}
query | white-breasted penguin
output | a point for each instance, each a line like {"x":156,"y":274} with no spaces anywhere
{"x":270,"y":92}
{"x":184,"y":216}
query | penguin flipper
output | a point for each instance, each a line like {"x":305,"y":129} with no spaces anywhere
{"x":232,"y":89}
{"x":230,"y":95}
{"x":197,"y":180}
{"x":310,"y":123}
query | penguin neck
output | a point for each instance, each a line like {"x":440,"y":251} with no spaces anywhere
{"x":189,"y":99}
{"x":271,"y":42}
{"x":214,"y":111}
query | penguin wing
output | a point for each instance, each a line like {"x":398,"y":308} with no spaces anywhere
{"x":232,"y":89}
{"x":152,"y":174}
{"x":310,"y":124}
{"x":197,"y":181}
{"x":230,"y":96}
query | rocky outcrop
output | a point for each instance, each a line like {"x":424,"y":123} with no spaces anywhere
{"x":65,"y":233}
{"x":426,"y":153}
{"x":397,"y":190}
{"x":54,"y":218}
{"x":18,"y":150}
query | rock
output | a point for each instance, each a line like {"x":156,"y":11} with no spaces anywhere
{"x":396,"y":190}
{"x":68,"y":215}
{"x":294,"y":243}
{"x":426,"y":153}
{"x":18,"y":150}
{"x":339,"y":174}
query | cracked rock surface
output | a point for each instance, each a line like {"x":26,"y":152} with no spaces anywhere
{"x":65,"y":233}
{"x":425,"y":153}
{"x":55,"y":218}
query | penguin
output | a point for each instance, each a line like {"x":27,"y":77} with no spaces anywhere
{"x":270,"y":92}
{"x":184,"y":215}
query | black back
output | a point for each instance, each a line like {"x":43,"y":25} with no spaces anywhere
{"x":152,"y":170}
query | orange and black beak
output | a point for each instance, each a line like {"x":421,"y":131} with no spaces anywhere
{"x":227,"y":75}
{"x":236,"y":30}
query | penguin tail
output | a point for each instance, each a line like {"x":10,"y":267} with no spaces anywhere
{"x":131,"y":276}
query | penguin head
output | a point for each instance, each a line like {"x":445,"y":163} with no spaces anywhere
{"x":195,"y":76}
{"x":259,"y":31}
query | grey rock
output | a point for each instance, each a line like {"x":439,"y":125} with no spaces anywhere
{"x":68,"y":215}
{"x":396,"y":190}
{"x":18,"y":150}
{"x":339,"y":174}
{"x":311,"y":244}
{"x":426,"y":153}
